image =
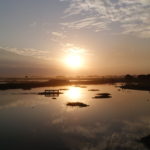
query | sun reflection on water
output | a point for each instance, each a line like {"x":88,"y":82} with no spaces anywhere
{"x":74,"y":93}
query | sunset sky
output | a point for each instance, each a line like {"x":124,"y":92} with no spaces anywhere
{"x":70,"y":37}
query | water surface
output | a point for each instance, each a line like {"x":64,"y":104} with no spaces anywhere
{"x":32,"y":121}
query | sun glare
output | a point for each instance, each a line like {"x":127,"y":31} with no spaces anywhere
{"x":75,"y":57}
{"x":74,"y":61}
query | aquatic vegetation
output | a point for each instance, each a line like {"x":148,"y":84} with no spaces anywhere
{"x":93,"y":90}
{"x":63,"y":89}
{"x":49,"y":92}
{"x":74,"y":104}
{"x":103,"y":95}
{"x":106,"y":94}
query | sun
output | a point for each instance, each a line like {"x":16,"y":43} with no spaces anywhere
{"x":75,"y":57}
{"x":74,"y":61}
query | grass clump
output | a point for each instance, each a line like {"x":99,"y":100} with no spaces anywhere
{"x":76,"y":104}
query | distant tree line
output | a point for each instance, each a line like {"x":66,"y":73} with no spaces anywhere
{"x":141,"y":77}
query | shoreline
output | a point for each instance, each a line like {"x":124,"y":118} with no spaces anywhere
{"x":128,"y":82}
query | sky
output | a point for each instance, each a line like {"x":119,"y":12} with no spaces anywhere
{"x":111,"y":37}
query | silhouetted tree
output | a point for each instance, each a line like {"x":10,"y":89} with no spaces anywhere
{"x":129,"y":77}
{"x":143,"y":77}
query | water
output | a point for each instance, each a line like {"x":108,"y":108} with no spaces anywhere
{"x":31,"y":121}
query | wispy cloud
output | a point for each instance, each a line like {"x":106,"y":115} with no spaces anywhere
{"x":41,"y":54}
{"x":58,"y":37}
{"x":71,"y":48}
{"x":67,"y":47}
{"x":89,"y":22}
{"x":58,"y":34}
{"x":132,"y":15}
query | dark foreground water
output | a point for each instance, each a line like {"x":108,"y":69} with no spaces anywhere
{"x":31,"y":121}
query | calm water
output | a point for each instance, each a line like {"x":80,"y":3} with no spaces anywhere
{"x":31,"y":121}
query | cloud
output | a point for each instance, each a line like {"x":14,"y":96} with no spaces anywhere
{"x":89,"y":22}
{"x":58,"y":37}
{"x":41,"y":54}
{"x":138,"y":30}
{"x":58,"y":34}
{"x":99,"y":15}
{"x":71,"y":48}
{"x":20,"y":62}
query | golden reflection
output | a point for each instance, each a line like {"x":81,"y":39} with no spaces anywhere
{"x":74,"y":93}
